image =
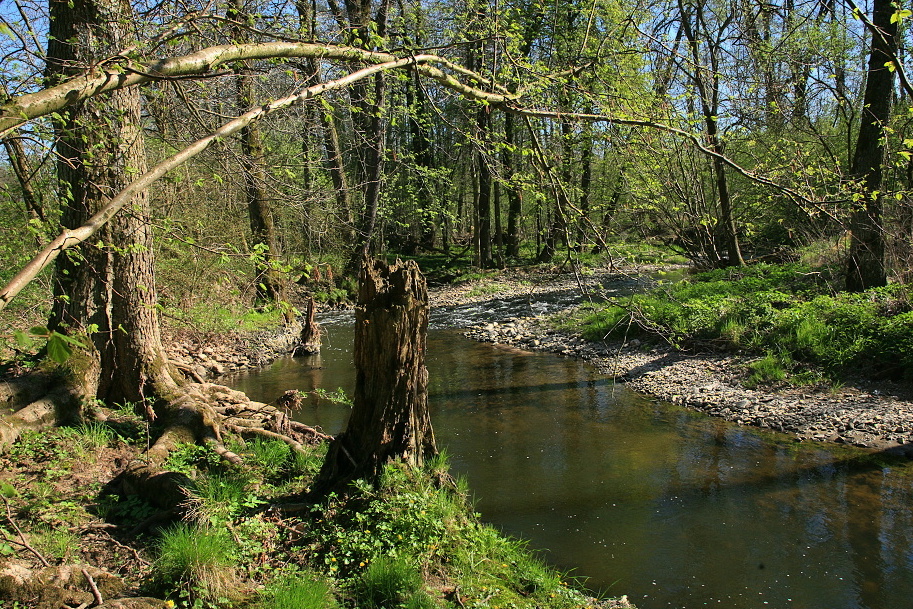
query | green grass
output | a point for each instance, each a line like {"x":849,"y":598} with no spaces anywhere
{"x":196,"y":562}
{"x":390,"y":582}
{"x":298,"y":592}
{"x":790,"y":310}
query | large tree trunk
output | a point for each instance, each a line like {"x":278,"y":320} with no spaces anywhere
{"x":865,"y":266}
{"x":390,"y":418}
{"x":106,"y":288}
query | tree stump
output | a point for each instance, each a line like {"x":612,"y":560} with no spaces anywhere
{"x":309,"y":343}
{"x":390,"y":418}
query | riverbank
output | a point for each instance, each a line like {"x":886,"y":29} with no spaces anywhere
{"x":864,"y":413}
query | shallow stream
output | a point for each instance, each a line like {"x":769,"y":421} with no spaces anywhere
{"x":639,"y":497}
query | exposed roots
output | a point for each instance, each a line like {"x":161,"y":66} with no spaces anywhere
{"x":193,"y":413}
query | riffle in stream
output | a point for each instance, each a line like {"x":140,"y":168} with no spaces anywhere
{"x":640,"y":497}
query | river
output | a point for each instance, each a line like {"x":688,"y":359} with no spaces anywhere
{"x":640,"y":497}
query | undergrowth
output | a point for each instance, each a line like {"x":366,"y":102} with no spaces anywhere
{"x":788,"y":314}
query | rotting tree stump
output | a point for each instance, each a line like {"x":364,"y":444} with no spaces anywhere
{"x":309,"y":342}
{"x":390,"y":418}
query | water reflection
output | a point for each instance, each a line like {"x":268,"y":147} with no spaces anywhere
{"x":641,"y":498}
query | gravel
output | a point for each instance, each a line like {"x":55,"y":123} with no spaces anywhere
{"x":864,"y":414}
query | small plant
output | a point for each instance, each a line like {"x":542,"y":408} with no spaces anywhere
{"x":186,"y":458}
{"x":217,"y":500}
{"x":390,"y":582}
{"x":336,"y":397}
{"x":269,"y":455}
{"x":768,"y":369}
{"x":94,"y":436}
{"x":196,"y":562}
{"x":56,"y":541}
{"x":300,"y":592}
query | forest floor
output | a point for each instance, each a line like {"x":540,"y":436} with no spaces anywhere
{"x":875,"y":414}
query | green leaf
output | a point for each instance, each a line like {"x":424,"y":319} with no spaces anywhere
{"x":58,"y":349}
{"x":39,"y":331}
{"x":22,"y":339}
{"x":900,"y":15}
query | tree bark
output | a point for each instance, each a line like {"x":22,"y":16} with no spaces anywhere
{"x":482,"y":234}
{"x":390,"y":417}
{"x":106,"y":289}
{"x":866,"y":266}
{"x":309,"y":341}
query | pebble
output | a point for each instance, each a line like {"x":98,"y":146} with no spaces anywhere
{"x":711,"y":383}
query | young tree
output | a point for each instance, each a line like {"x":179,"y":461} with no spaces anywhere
{"x":253,"y":165}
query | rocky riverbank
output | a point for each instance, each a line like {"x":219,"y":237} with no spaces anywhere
{"x":865,"y":413}
{"x":206,"y":357}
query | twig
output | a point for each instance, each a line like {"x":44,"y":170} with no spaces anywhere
{"x":23,"y":543}
{"x":95,"y":593}
{"x":132,"y":550}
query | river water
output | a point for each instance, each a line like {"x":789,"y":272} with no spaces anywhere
{"x":640,"y":497}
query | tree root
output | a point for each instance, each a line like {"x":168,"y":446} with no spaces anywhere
{"x":265,"y":433}
{"x":195,"y":413}
{"x":25,"y":390}
{"x":44,"y":412}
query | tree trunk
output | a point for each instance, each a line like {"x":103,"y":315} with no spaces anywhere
{"x":483,"y":201}
{"x":309,"y":341}
{"x":24,"y":175}
{"x":253,"y":167}
{"x":107,"y":288}
{"x":514,"y":199}
{"x":336,"y":166}
{"x":865,"y":266}
{"x":390,"y":418}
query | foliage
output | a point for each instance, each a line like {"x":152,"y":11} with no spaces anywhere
{"x":380,"y":539}
{"x":788,"y":312}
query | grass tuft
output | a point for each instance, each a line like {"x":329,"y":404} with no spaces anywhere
{"x":196,"y":562}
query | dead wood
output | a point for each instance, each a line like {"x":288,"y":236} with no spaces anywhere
{"x":390,"y":418}
{"x":309,"y":342}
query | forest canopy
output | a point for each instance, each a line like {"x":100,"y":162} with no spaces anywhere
{"x":713,"y":127}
